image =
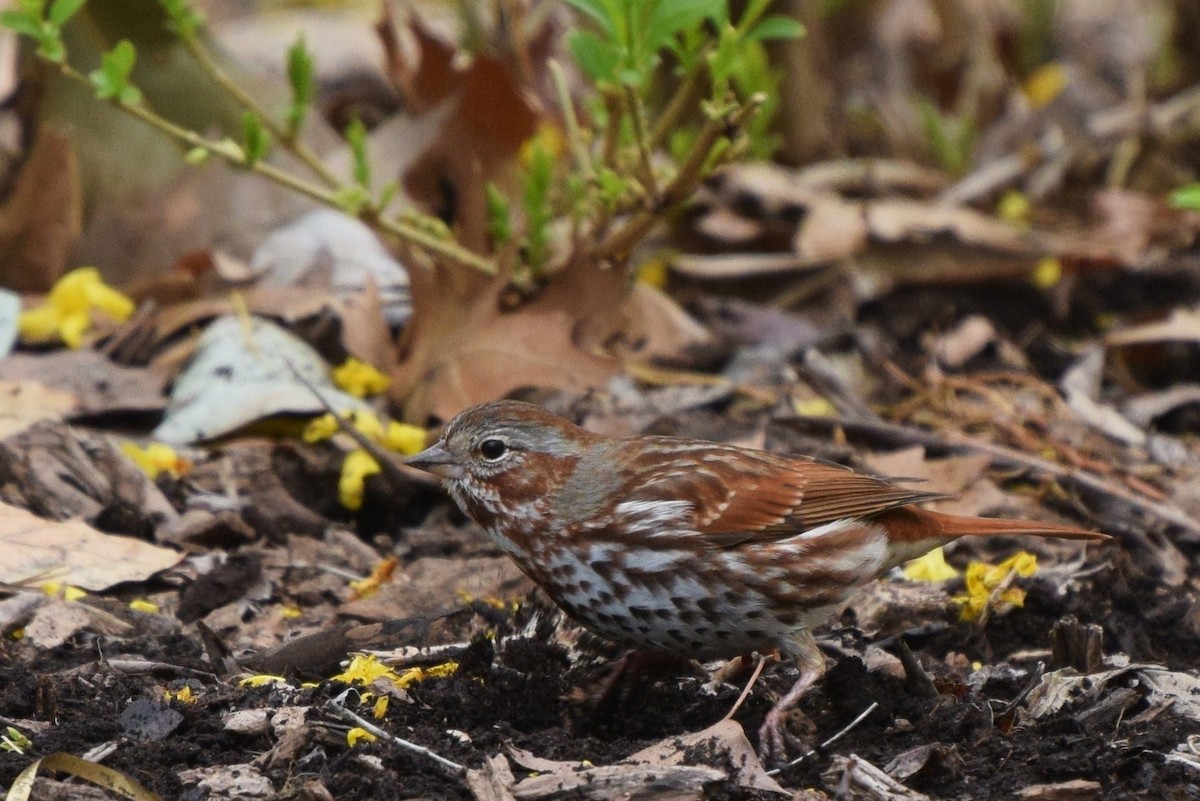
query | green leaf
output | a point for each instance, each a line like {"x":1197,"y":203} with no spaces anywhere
{"x":600,"y":12}
{"x":1186,"y":197}
{"x":352,"y":199}
{"x":185,"y":20}
{"x":536,"y":202}
{"x":498,"y":223}
{"x":254,"y":138}
{"x":670,"y":17}
{"x":776,"y":27}
{"x":112,"y":79}
{"x":22,"y":22}
{"x":300,"y":76}
{"x":597,"y":58}
{"x":50,"y":47}
{"x":356,"y":137}
{"x":387,"y":195}
{"x":63,"y":10}
{"x":197,"y":156}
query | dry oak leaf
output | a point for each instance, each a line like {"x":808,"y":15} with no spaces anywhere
{"x":73,"y":552}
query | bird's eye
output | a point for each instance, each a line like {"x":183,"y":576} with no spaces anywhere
{"x":492,"y":449}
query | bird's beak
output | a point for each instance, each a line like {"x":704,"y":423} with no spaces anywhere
{"x":437,"y":460}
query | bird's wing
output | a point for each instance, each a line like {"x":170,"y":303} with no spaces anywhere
{"x":738,"y":496}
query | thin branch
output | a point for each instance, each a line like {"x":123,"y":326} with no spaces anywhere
{"x":290,"y":141}
{"x":825,"y":745}
{"x":641,"y":139}
{"x":345,"y":714}
{"x":233,"y":154}
{"x":620,"y":242}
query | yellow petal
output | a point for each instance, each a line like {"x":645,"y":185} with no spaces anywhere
{"x":320,"y":428}
{"x":368,"y":425}
{"x":1045,"y":84}
{"x":365,"y":669}
{"x":73,"y":326}
{"x":142,"y":605}
{"x":360,"y":379}
{"x":381,"y":707}
{"x":1047,"y":273}
{"x":931,"y":567}
{"x":156,"y":458}
{"x":39,"y":325}
{"x":405,"y":438}
{"x":359,"y":734}
{"x":355,"y":469}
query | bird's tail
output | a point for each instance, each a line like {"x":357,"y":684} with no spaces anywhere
{"x":912,"y":524}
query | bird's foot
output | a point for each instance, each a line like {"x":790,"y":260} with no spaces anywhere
{"x":776,"y":744}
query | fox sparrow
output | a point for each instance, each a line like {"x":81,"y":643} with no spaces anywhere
{"x":685,"y":546}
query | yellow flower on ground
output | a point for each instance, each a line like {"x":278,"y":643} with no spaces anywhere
{"x":381,"y":706}
{"x":364,"y":669}
{"x":359,"y":734}
{"x":653,"y":271}
{"x":64,"y":591}
{"x":67,"y":313}
{"x":1047,"y":273}
{"x":404,"y":438}
{"x":325,"y":426}
{"x":142,"y":605}
{"x":355,"y":469}
{"x":418,"y":674}
{"x":365,"y":588}
{"x":360,"y":379}
{"x":931,"y":567}
{"x":156,"y":458}
{"x":983,"y":581}
{"x":1045,"y":84}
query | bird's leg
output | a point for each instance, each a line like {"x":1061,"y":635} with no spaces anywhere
{"x":772,"y":736}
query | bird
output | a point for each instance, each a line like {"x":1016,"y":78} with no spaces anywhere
{"x":689,"y":547}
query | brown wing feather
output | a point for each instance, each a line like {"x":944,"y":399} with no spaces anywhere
{"x":752,"y":496}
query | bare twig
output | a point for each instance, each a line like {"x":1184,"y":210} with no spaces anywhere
{"x":345,"y":714}
{"x":758,"y":669}
{"x":825,"y":745}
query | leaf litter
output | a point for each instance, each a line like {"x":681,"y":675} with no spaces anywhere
{"x":858,"y":310}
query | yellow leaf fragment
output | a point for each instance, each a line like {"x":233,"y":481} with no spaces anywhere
{"x":360,"y":379}
{"x":931,"y":567}
{"x":359,"y":734}
{"x":67,"y":313}
{"x":289,"y":612}
{"x":144,"y":605}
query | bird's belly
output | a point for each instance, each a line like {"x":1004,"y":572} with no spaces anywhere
{"x":703,"y":606}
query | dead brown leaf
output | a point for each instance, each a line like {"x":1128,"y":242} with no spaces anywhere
{"x":72,"y":552}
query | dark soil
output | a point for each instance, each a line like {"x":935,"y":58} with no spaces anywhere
{"x":517,"y":696}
